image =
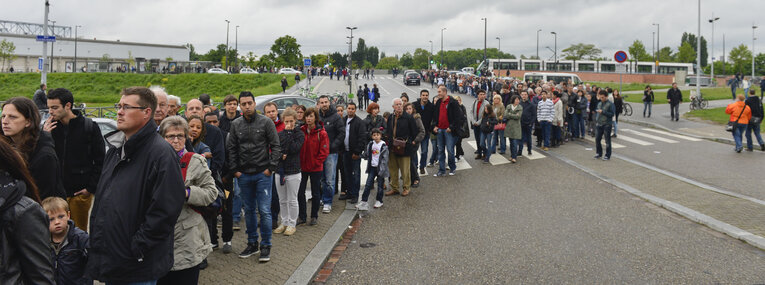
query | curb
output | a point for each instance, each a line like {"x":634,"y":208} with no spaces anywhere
{"x":657,"y":126}
{"x":693,"y":215}
{"x":310,"y":266}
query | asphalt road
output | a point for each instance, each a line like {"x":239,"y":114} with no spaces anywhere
{"x":543,"y":221}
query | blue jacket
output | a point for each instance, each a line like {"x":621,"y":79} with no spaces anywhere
{"x":71,"y":259}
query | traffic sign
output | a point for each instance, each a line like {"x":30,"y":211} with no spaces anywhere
{"x":42,"y":38}
{"x":620,"y":56}
{"x":307,"y":62}
{"x":621,"y":68}
{"x":40,"y":63}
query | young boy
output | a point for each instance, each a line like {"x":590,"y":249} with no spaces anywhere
{"x":68,"y":242}
{"x":376,"y":153}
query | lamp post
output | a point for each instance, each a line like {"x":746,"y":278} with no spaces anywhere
{"x":698,"y":54}
{"x":43,"y":73}
{"x":653,"y":45}
{"x":753,"y":38}
{"x":227,"y":24}
{"x":74,"y":68}
{"x":53,"y":30}
{"x":538,"y":42}
{"x":350,"y":60}
{"x":236,"y":45}
{"x":658,"y":47}
{"x":556,"y":49}
{"x":442,"y":48}
{"x":485,"y":26}
{"x":430,"y":57}
{"x":713,"y":20}
{"x":499,"y":44}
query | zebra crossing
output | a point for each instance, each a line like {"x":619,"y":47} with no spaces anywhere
{"x":645,"y":137}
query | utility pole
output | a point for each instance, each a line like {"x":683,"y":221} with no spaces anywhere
{"x":653,"y":45}
{"x":74,"y":68}
{"x":658,"y":47}
{"x":442,"y":48}
{"x":485,"y":26}
{"x":538,"y":42}
{"x":226,"y":55}
{"x":43,"y":73}
{"x":713,"y":20}
{"x":753,"y":38}
{"x":723,"y":56}
{"x":499,"y":44}
{"x":350,"y":61}
{"x":430,"y":57}
{"x":53,"y":31}
{"x":236,"y":45}
{"x":698,"y":53}
{"x":556,"y":49}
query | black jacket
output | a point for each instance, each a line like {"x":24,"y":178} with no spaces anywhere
{"x":70,"y":260}
{"x":529,"y":115}
{"x":140,"y":196}
{"x":406,"y":128}
{"x":224,"y":123}
{"x":44,"y":166}
{"x":674,"y":96}
{"x":426,"y":114}
{"x":25,"y":242}
{"x":357,"y":135}
{"x":253,"y":145}
{"x":41,"y":100}
{"x":754,"y":103}
{"x":291,"y":141}
{"x":80,"y":154}
{"x":217,"y":143}
{"x":487,"y":124}
{"x":648,"y":96}
{"x":335,"y":128}
{"x":453,"y":113}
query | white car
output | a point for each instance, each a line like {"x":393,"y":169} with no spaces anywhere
{"x":217,"y":71}
{"x":289,"y":71}
{"x":247,"y":70}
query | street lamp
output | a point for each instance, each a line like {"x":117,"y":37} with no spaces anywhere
{"x":485,"y":26}
{"x":74,"y":68}
{"x":350,"y":59}
{"x":53,"y":30}
{"x":753,"y":38}
{"x":698,"y":54}
{"x":713,"y":20}
{"x":431,"y":54}
{"x":227,"y":24}
{"x":43,"y":74}
{"x":556,"y":49}
{"x":236,"y":45}
{"x":538,"y":42}
{"x":658,"y":47}
{"x":499,"y":44}
{"x":442,"y":48}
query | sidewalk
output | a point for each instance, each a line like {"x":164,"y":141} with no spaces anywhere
{"x":660,"y":119}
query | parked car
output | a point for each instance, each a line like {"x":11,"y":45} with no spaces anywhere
{"x":412,"y":78}
{"x":248,"y":70}
{"x":106,"y":126}
{"x":216,"y":70}
{"x":283,"y":101}
{"x":289,"y":71}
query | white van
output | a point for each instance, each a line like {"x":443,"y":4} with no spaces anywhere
{"x":468,"y":70}
{"x":547,"y":76}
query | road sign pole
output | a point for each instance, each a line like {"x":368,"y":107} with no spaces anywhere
{"x":43,"y":73}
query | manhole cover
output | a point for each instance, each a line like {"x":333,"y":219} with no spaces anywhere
{"x":367,"y":245}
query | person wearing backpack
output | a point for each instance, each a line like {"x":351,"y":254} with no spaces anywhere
{"x":80,"y":151}
{"x":191,"y":237}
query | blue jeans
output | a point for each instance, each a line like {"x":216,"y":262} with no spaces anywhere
{"x":434,"y":154}
{"x":445,"y":144}
{"x":371,"y":176}
{"x":515,"y":145}
{"x":647,"y":106}
{"x":424,"y":144}
{"x":749,"y":129}
{"x":152,"y":282}
{"x":738,"y":131}
{"x":546,"y":132}
{"x":499,"y":137}
{"x":485,"y":143}
{"x":256,"y":192}
{"x":579,"y":130}
{"x":601,"y":131}
{"x":352,"y":173}
{"x":328,"y":180}
{"x":236,"y":208}
{"x":525,"y":138}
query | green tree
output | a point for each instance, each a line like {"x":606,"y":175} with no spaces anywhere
{"x":686,"y":53}
{"x":665,"y":55}
{"x":130,"y":59}
{"x":319,"y":59}
{"x":267,"y":61}
{"x":406,"y":60}
{"x":691,"y":39}
{"x":637,"y":51}
{"x":193,"y":55}
{"x":339,"y":60}
{"x":382,"y":54}
{"x":249,"y":60}
{"x":373,"y":55}
{"x":420,"y":59}
{"x":759,"y":64}
{"x":215,"y":55}
{"x":580,"y":51}
{"x":359,"y":55}
{"x":741,"y":58}
{"x":387,"y":63}
{"x":287,"y":51}
{"x":7,"y":50}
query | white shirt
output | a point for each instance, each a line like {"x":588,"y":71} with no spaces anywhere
{"x":376,"y":148}
{"x":347,"y":132}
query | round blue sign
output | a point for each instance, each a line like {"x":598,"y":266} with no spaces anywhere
{"x":620,"y":56}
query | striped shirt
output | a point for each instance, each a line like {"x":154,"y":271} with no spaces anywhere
{"x":545,"y":111}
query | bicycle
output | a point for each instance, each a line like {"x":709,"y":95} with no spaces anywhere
{"x":698,"y":102}
{"x":626,"y":107}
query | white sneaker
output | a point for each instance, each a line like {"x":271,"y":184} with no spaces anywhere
{"x":362,"y":206}
{"x":327,"y":209}
{"x":378,"y":204}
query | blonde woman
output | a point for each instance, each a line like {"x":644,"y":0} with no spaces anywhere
{"x":499,"y":129}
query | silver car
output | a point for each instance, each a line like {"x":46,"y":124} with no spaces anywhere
{"x":282,"y":101}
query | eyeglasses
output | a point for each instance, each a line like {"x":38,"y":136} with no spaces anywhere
{"x":119,"y":107}
{"x":175,"y":137}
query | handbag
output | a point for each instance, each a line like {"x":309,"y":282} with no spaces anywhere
{"x":399,"y":145}
{"x":755,"y":120}
{"x":499,"y":127}
{"x":732,"y":124}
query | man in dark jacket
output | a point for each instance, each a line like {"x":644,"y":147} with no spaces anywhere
{"x":140,"y":195}
{"x":755,"y":104}
{"x":674,"y":97}
{"x":335,"y":128}
{"x":528,"y":118}
{"x":80,"y":150}
{"x":401,"y":126}
{"x":425,"y":109}
{"x":40,"y":100}
{"x":447,"y":125}
{"x":354,"y":144}
{"x":230,"y":103}
{"x":253,"y":154}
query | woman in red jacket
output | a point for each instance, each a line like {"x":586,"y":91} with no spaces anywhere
{"x":312,"y":155}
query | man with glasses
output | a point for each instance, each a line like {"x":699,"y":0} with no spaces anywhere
{"x":140,"y":195}
{"x":253,"y":153}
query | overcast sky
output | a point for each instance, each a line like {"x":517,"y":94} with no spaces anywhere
{"x":397,"y":26}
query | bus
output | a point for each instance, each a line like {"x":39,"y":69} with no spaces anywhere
{"x":602,"y":66}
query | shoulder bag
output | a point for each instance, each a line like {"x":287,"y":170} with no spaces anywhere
{"x":399,"y":145}
{"x":732,"y":124}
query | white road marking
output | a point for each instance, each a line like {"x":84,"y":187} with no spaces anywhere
{"x":673,"y":135}
{"x":613,"y":144}
{"x":494,"y":159}
{"x":650,"y":136}
{"x":634,"y":140}
{"x":534,"y":155}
